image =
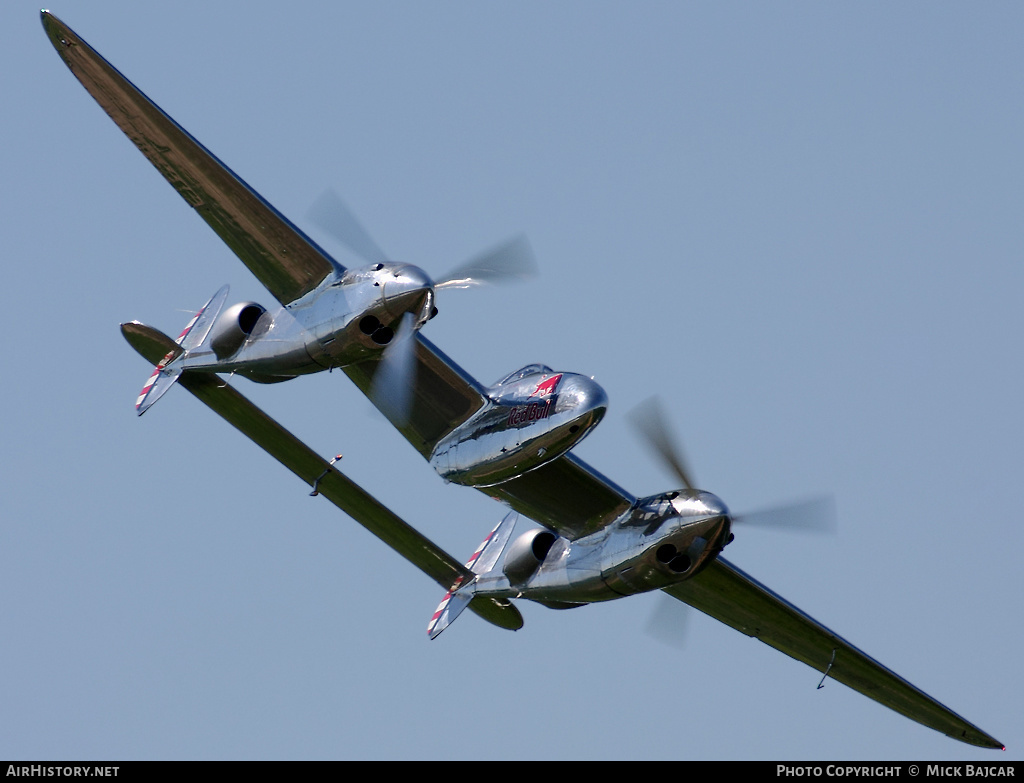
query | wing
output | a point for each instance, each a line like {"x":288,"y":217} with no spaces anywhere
{"x":284,"y":259}
{"x":333,"y":485}
{"x":726,"y":593}
{"x":443,"y":396}
{"x":565,"y":495}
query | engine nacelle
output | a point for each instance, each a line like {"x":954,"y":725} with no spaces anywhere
{"x":526,"y":554}
{"x":233,"y":327}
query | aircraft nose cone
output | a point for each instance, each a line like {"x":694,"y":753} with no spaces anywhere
{"x":696,"y":506}
{"x":408,"y":289}
{"x":581,"y":394}
{"x":719,"y":523}
{"x":712,"y":504}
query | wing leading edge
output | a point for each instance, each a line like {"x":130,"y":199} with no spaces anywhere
{"x":726,"y":593}
{"x":284,"y":259}
{"x":332,"y":484}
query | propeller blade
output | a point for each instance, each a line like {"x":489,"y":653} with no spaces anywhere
{"x":817,"y":515}
{"x":652,"y":425}
{"x":508,"y":262}
{"x":332,"y":215}
{"x":395,"y":378}
{"x":669,"y":623}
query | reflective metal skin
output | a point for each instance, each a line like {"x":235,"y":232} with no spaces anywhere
{"x":531,"y":417}
{"x":597,"y":541}
{"x":350,"y":316}
{"x":666,"y":539}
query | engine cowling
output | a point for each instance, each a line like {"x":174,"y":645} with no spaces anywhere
{"x":526,"y":554}
{"x":233,"y":327}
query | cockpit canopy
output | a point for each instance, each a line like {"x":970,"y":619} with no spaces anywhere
{"x":530,"y":369}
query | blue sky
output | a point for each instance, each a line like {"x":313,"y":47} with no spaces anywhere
{"x":798,"y":224}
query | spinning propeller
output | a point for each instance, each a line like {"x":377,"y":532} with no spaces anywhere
{"x":816,"y":515}
{"x":670,"y":620}
{"x":396,"y":374}
{"x":508,"y":262}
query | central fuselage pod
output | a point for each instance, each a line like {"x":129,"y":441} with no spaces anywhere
{"x":532,"y":417}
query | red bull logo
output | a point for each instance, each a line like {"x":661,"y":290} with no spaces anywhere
{"x":547,"y":387}
{"x":532,"y":412}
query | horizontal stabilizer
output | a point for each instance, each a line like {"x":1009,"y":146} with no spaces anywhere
{"x":149,"y":342}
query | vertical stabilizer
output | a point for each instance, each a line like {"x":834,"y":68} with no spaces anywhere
{"x":166,"y":373}
{"x":482,"y":561}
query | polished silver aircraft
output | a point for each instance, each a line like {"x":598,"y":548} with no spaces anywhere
{"x":512,"y":440}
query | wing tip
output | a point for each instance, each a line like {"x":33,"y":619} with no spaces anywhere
{"x":50,"y":22}
{"x":61,"y":36}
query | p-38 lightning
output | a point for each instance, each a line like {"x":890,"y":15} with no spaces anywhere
{"x":512,"y":440}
